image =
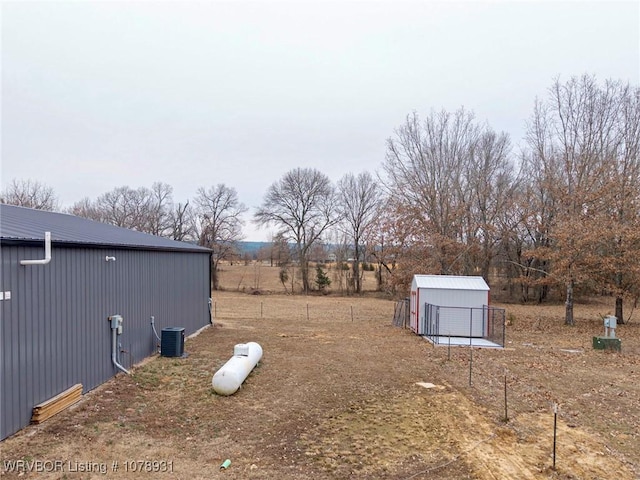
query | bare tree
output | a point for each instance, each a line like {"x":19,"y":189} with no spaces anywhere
{"x":488,"y":195}
{"x":182,"y":223}
{"x":340,"y":248}
{"x":219,"y":214}
{"x":358,"y":203}
{"x":159,"y":209}
{"x":573,"y":139}
{"x":277,"y":251}
{"x":31,"y":194}
{"x":384,"y":253}
{"x":424,"y":165}
{"x":520,"y":227}
{"x":302,"y":206}
{"x":148,"y":210}
{"x":126,"y":207}
{"x":448,"y":179}
{"x":536,"y":210}
{"x":86,"y":208}
{"x":620,"y":238}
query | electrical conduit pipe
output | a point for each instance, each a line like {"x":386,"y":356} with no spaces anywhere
{"x":227,"y":380}
{"x":116,"y":323}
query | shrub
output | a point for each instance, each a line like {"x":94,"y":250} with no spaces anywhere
{"x":322,"y":280}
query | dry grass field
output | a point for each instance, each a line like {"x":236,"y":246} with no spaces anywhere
{"x":259,"y":277}
{"x":336,"y":395}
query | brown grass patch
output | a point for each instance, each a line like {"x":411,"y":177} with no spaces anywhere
{"x":335,"y":396}
{"x":262,"y":278}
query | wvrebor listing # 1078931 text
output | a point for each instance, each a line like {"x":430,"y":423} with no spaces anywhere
{"x":75,"y":466}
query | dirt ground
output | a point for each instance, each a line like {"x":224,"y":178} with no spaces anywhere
{"x":336,"y":395}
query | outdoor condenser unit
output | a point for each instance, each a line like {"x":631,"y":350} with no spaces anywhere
{"x":172,"y":342}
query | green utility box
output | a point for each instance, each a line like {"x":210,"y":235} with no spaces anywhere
{"x":607,"y":343}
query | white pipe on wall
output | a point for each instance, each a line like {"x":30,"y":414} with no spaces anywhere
{"x":114,"y":351}
{"x":47,"y":252}
{"x":228,"y":379}
{"x":116,"y":329}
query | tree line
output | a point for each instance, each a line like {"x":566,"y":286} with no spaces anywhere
{"x":213,"y":218}
{"x":559,"y":217}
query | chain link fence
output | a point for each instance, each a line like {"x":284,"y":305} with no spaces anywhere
{"x":440,"y":323}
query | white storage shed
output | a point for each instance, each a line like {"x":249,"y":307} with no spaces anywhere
{"x":447,"y":305}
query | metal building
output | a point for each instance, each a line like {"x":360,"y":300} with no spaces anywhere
{"x":449,"y":291}
{"x":55,"y":328}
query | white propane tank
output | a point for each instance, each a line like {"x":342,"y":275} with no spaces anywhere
{"x":228,"y":379}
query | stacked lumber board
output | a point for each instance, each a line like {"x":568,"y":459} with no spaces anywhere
{"x":49,"y":408}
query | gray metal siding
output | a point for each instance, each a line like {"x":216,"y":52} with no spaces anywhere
{"x":54,"y":329}
{"x":454,"y":298}
{"x":456,"y":324}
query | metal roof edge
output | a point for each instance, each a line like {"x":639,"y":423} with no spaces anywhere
{"x":26,"y":226}
{"x":427,"y":281}
{"x":9,"y":241}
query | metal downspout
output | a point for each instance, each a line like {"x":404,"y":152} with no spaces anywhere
{"x":47,"y":253}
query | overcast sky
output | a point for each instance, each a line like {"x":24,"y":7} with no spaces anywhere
{"x":97,"y":95}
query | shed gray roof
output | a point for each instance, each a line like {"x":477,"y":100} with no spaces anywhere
{"x":22,"y":224}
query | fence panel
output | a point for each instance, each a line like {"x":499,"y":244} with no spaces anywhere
{"x":401,"y":313}
{"x":467,"y":322}
{"x":496,"y":325}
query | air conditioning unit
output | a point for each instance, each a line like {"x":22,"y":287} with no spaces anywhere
{"x":172,"y":342}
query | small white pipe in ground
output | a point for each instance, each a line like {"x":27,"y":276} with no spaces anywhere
{"x":227,"y":380}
